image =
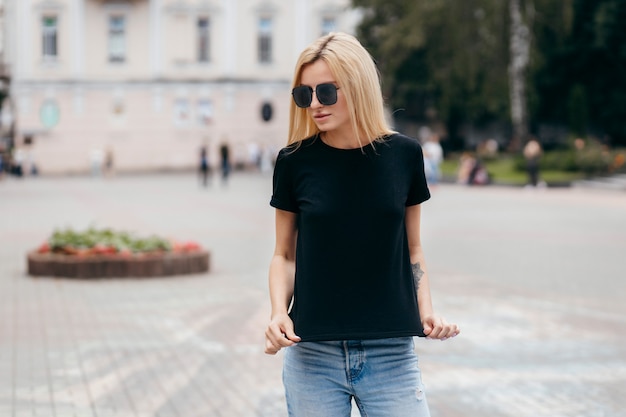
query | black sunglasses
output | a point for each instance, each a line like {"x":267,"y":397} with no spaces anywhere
{"x":326,"y":94}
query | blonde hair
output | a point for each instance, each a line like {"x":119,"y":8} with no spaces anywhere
{"x":357,"y":75}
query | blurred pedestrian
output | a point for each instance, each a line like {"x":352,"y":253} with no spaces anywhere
{"x":467,"y":162}
{"x":108,"y":162}
{"x":266,"y":164}
{"x":472,"y":171}
{"x":205,"y":168}
{"x":433,"y":156}
{"x":348,"y":284}
{"x":532,"y":154}
{"x":479,"y":174}
{"x":96,"y":157}
{"x":225,"y":162}
{"x":17,"y":166}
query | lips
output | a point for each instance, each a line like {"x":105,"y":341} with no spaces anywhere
{"x":321,"y":116}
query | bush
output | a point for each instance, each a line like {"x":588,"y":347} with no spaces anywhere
{"x":592,"y":159}
{"x":117,"y":241}
{"x":109,"y":242}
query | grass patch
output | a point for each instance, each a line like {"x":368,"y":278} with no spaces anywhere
{"x":502,"y":171}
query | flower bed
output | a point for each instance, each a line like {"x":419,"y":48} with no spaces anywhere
{"x":106,"y":253}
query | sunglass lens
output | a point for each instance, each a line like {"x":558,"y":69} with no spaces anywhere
{"x":302,"y":96}
{"x":326,"y":94}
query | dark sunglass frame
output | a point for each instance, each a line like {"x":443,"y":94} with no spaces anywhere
{"x":303,"y":95}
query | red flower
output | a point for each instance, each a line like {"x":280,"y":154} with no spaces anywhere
{"x":191,"y":246}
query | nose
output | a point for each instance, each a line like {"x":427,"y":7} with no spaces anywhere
{"x":315,"y":102}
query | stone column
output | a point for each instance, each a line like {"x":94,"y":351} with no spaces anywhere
{"x":156,"y":37}
{"x":23,"y":52}
{"x":78,"y":39}
{"x":229,"y":47}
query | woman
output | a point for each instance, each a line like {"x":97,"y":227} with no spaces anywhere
{"x":348,"y":284}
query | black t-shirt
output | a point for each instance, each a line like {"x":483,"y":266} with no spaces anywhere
{"x":353,"y":272}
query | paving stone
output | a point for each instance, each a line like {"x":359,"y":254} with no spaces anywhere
{"x":533,"y":278}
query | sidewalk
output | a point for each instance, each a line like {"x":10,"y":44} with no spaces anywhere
{"x":535,"y":279}
{"x":613,"y":182}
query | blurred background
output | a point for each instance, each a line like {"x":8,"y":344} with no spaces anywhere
{"x":514,"y":92}
{"x":143,"y":85}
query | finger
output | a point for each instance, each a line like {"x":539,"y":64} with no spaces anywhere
{"x":450,"y":330}
{"x":270,"y":349}
{"x":437,"y":328}
{"x":278,"y":338}
{"x":275,"y":342}
{"x":427,"y":328}
{"x":446,"y":330}
{"x":284,"y":329}
{"x":289,"y":334}
{"x":272,"y":339}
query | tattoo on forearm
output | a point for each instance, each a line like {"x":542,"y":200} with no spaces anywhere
{"x":417,"y":274}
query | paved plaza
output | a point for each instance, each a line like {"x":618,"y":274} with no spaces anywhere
{"x":535,"y":278}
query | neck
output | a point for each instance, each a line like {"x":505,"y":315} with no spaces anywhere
{"x":340,"y":140}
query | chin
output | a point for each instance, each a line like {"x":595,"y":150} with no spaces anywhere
{"x":324,"y":127}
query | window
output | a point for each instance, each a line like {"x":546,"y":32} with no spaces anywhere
{"x":181,"y":113}
{"x":204,"y":40}
{"x":205,"y":112}
{"x":117,"y":39}
{"x":265,"y":40}
{"x":266,"y":111}
{"x":49,"y":30}
{"x":49,"y":113}
{"x":329,"y":24}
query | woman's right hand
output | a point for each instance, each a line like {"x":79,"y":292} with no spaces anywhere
{"x":279,"y":334}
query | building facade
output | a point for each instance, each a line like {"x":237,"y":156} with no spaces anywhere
{"x":7,"y":123}
{"x":152,"y":81}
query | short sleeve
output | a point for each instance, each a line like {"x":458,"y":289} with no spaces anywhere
{"x":282,"y":184}
{"x":418,"y":190}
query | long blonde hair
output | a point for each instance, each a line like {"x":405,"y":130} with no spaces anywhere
{"x":357,"y":75}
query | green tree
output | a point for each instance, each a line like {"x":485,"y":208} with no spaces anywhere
{"x":440,"y":57}
{"x":452,"y":59}
{"x":520,"y":39}
{"x":582,"y":67}
{"x":577,"y":110}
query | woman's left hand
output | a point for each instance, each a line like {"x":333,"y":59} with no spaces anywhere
{"x":436,"y":327}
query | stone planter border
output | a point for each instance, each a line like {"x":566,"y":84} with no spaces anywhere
{"x":110,"y":266}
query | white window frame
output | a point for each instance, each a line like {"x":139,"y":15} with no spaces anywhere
{"x":265,"y":39}
{"x":117,"y":38}
{"x":203,"y":38}
{"x":50,"y":37}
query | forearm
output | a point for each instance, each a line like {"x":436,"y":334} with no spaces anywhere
{"x":422,"y":283}
{"x":435,"y":327}
{"x":280,"y":331}
{"x":281,"y":283}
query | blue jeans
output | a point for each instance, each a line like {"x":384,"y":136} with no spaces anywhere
{"x":321,"y":379}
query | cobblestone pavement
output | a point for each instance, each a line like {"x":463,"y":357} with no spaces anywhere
{"x":535,"y":279}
